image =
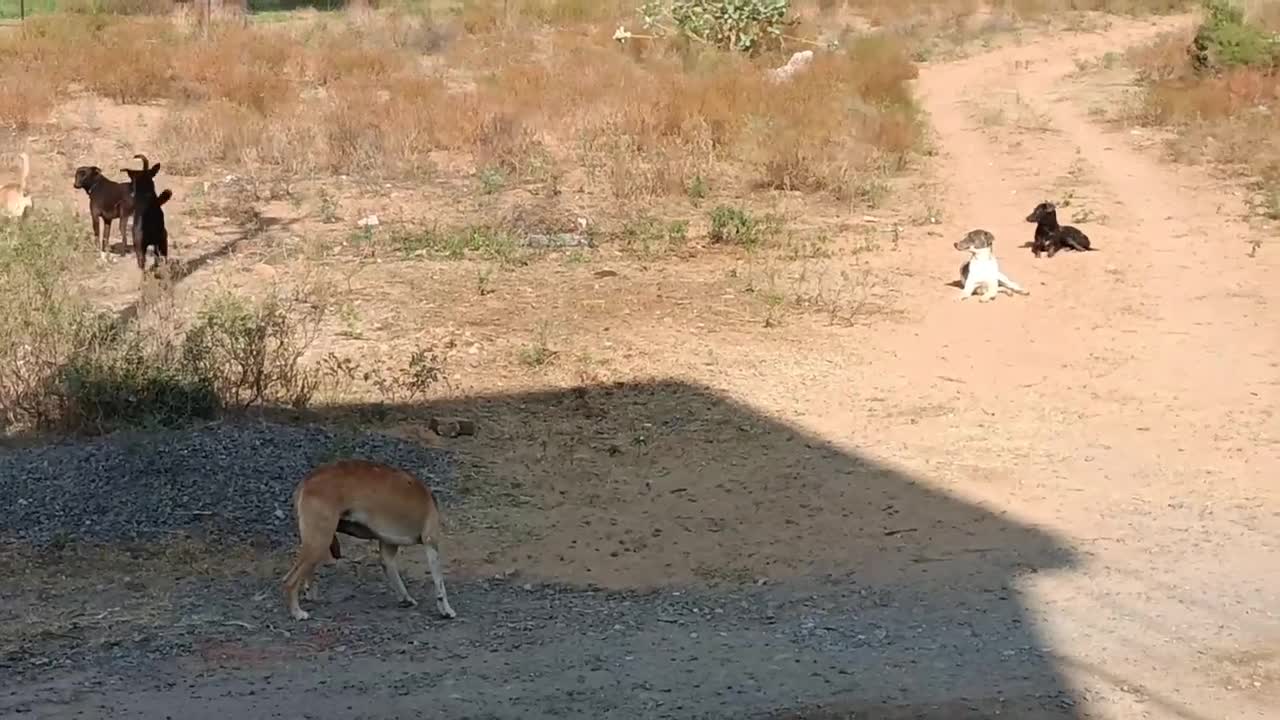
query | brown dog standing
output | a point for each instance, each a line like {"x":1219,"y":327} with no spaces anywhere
{"x":108,"y":200}
{"x":370,"y":501}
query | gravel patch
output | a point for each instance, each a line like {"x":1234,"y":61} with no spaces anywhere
{"x":523,"y":650}
{"x":222,"y":482}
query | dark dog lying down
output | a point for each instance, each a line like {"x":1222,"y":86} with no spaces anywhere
{"x":1051,"y":237}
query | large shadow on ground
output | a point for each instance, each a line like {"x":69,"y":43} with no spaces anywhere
{"x":797,"y":579}
{"x":883,"y":595}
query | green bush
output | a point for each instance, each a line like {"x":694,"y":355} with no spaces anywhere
{"x":42,"y":322}
{"x":742,"y":25}
{"x":123,"y":385}
{"x":734,"y":226}
{"x":67,"y":365}
{"x":1227,"y":40}
{"x":251,"y":352}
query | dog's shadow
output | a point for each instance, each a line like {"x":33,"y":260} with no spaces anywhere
{"x":956,"y":284}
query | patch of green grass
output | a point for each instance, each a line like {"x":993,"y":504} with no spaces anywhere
{"x":328,"y":208}
{"x":11,"y":9}
{"x":735,"y":226}
{"x":648,"y":237}
{"x":697,"y":190}
{"x":68,"y":365}
{"x":1227,"y":40}
{"x":492,"y":180}
{"x":457,"y":243}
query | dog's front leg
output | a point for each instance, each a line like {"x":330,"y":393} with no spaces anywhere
{"x":970,"y":284}
{"x":992,"y":289}
{"x":1004,"y":280}
{"x":97,"y":235}
{"x":105,"y":248}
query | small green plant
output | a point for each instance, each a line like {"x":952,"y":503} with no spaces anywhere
{"x":484,"y":277}
{"x":538,"y":353}
{"x":492,"y":180}
{"x":403,"y":385}
{"x":349,"y":315}
{"x":697,"y":189}
{"x":363,"y":240}
{"x":328,"y":208}
{"x":734,"y":226}
{"x":456,"y":243}
{"x":1265,"y":199}
{"x":395,"y":384}
{"x":251,"y":352}
{"x":647,"y":236}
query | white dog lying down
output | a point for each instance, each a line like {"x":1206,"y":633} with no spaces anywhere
{"x":981,"y":268}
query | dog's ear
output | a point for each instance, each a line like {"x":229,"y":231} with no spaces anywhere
{"x":154,"y":169}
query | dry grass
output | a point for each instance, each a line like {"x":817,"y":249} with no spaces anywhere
{"x":898,"y":13}
{"x":358,"y":96}
{"x":521,"y":118}
{"x":1226,"y":117}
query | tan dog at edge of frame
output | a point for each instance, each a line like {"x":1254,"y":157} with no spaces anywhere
{"x":370,"y":501}
{"x":14,"y":196}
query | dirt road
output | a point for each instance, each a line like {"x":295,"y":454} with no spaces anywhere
{"x":1062,"y":505}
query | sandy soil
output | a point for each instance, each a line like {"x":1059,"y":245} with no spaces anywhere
{"x":1060,"y":505}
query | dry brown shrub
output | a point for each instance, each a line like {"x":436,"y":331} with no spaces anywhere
{"x":238,"y":66}
{"x":1231,"y":117}
{"x":1266,"y":13}
{"x":337,"y":58}
{"x":24,"y":103}
{"x":344,"y":96}
{"x":217,"y":133}
{"x":480,"y":17}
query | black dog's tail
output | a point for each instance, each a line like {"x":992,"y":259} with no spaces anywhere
{"x":146,"y":164}
{"x":164,"y":198}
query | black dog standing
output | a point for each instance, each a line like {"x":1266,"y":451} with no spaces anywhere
{"x":148,"y":214}
{"x":1050,"y":236}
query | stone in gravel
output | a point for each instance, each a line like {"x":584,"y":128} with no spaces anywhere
{"x":451,"y":427}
